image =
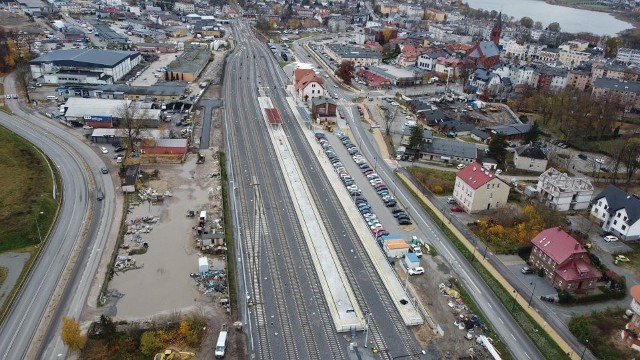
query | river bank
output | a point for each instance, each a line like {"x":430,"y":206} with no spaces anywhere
{"x":622,"y":16}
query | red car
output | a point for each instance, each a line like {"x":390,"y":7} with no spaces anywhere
{"x":457,"y":208}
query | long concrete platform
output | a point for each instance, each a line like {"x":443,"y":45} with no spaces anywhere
{"x":402,"y":301}
{"x":345,"y":311}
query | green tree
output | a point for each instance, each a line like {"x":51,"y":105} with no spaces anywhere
{"x":526,"y":22}
{"x":149,"y":343}
{"x":554,"y":26}
{"x":498,"y":148}
{"x":537,"y":25}
{"x":611,"y":47}
{"x":71,"y":335}
{"x":108,"y":328}
{"x":416,"y":137}
{"x":533,"y":134}
{"x":345,"y":71}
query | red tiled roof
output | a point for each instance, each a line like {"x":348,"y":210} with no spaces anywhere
{"x":308,"y":78}
{"x":475,"y":175}
{"x":301,"y":73}
{"x":577,"y":269}
{"x":273,"y":115}
{"x":557,"y":244}
{"x":635,"y":292}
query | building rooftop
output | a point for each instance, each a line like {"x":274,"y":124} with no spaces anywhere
{"x":190,"y":61}
{"x":346,"y":51}
{"x":618,"y":85}
{"x":532,"y":152}
{"x":475,"y":175}
{"x":80,"y":107}
{"x":510,"y":130}
{"x":562,"y":182}
{"x":557,"y":244}
{"x":452,"y":148}
{"x":85,"y":57}
{"x":618,"y":199}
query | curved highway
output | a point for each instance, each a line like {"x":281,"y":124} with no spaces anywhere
{"x":31,"y":329}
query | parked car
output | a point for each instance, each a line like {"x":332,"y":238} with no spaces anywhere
{"x":451,"y":200}
{"x":416,"y":271}
{"x":457,"y":208}
{"x":460,"y":166}
{"x":582,"y":156}
{"x":610,"y":238}
{"x":104,"y":150}
{"x":527,"y":270}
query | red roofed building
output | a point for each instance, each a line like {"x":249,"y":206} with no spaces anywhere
{"x":373,"y":80}
{"x":631,"y":332}
{"x":309,"y":86}
{"x":566,"y":263}
{"x":477,"y":189}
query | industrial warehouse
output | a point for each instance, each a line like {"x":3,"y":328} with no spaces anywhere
{"x":83,"y":66}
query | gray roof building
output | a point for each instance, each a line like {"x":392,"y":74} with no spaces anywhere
{"x":450,"y":148}
{"x":532,"y":152}
{"x":346,"y":51}
{"x":84,"y":58}
{"x":618,"y":199}
{"x":619,"y":85}
{"x":510,"y":130}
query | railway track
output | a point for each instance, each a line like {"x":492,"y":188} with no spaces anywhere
{"x":331,"y":199}
{"x":268,"y":242}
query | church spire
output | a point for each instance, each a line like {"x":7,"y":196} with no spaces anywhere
{"x":497,"y":30}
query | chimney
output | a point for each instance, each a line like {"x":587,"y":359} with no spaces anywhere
{"x":577,"y":247}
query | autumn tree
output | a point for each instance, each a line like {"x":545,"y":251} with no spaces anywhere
{"x":345,"y":71}
{"x":611,"y":47}
{"x":131,"y":120}
{"x":71,"y":335}
{"x":150,"y":344}
{"x":23,"y":77}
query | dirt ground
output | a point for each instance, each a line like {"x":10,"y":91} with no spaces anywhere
{"x":10,"y":21}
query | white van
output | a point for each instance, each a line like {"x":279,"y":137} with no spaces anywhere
{"x":221,"y":345}
{"x":52,"y":97}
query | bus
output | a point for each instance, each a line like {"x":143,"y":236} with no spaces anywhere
{"x":221,"y":345}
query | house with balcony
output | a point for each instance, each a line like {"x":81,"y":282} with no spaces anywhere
{"x":565,"y":263}
{"x":477,"y":189}
{"x":562,"y":192}
{"x":617,"y":212}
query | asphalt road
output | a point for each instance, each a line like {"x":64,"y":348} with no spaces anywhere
{"x":82,"y":226}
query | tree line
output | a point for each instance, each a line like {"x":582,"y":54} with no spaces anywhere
{"x":14,"y":50}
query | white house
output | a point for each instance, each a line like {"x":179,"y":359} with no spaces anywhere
{"x":308,"y":85}
{"x":617,"y":212}
{"x":563,"y":192}
{"x":477,"y":189}
{"x":530,"y":158}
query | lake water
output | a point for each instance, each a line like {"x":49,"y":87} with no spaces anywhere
{"x":570,"y":20}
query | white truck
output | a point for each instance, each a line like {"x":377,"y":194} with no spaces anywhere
{"x":221,"y":344}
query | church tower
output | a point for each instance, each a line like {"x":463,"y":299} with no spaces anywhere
{"x":497,"y":30}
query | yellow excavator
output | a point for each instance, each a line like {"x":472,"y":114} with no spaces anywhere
{"x":171,"y":354}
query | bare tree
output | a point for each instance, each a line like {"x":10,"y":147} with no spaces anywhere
{"x":131,"y":120}
{"x":23,"y":77}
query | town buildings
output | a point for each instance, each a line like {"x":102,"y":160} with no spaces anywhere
{"x":565,"y":263}
{"x":477,"y":189}
{"x":562,"y":192}
{"x":617,"y":212}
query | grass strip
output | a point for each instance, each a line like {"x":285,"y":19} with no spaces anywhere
{"x":228,"y":235}
{"x":541,"y":339}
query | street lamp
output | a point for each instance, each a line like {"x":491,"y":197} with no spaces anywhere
{"x":532,"y":291}
{"x":585,"y":349}
{"x":38,"y":226}
{"x":515,"y":298}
